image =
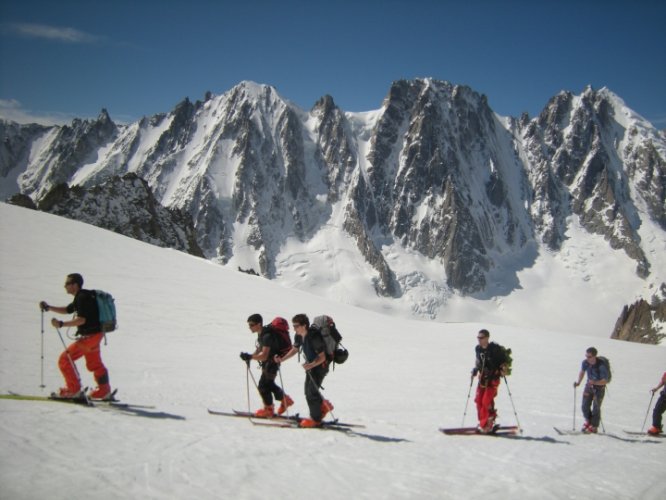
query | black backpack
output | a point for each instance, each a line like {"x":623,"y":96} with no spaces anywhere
{"x":508,"y":363}
{"x":496,"y":352}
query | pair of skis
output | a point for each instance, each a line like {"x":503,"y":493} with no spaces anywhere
{"x":81,"y":398}
{"x":498,"y":430}
{"x":573,"y":432}
{"x":294,"y":420}
{"x":291,"y":421}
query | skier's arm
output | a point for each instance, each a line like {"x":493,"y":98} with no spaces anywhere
{"x":321,"y":358}
{"x":56,"y":309}
{"x":77,"y":321}
{"x":477,"y":367}
{"x":289,"y":354}
{"x":581,"y":374}
{"x":603,"y":373}
{"x":261,"y":355}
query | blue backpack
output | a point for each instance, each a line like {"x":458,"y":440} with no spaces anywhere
{"x":107,"y":310}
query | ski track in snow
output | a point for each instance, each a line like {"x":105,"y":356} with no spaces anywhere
{"x":182,"y":326}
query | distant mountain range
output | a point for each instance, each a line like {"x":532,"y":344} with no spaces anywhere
{"x":242,"y":178}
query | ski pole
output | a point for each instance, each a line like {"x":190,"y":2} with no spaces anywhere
{"x":254,"y":380}
{"x":249,"y":374}
{"x":648,"y":412}
{"x":41,"y":371}
{"x":247,"y":384}
{"x":469,"y":393}
{"x":512,"y":405}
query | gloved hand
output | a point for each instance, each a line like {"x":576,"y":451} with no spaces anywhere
{"x":475,"y":370}
{"x":246,"y":356}
{"x":43,"y":306}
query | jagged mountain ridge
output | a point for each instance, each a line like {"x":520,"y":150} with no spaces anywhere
{"x":585,"y":163}
{"x":125,"y":205}
{"x":434,"y":171}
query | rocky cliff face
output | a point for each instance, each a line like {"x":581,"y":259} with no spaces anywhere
{"x":65,"y":150}
{"x":126,"y":206}
{"x":443,"y":180}
{"x":433,"y":172}
{"x":642,"y":321}
{"x":580,"y":153}
{"x":15,"y":146}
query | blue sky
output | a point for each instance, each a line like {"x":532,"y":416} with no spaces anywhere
{"x":61,"y":59}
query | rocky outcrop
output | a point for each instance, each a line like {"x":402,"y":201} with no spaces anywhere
{"x":126,"y":206}
{"x":22,"y":200}
{"x":643,"y":322}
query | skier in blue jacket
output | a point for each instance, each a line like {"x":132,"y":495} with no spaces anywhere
{"x":595,"y":389}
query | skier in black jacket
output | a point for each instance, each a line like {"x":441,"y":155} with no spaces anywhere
{"x":266,"y":348}
{"x":316,"y":367}
{"x":89,"y":336}
{"x":490,"y":365}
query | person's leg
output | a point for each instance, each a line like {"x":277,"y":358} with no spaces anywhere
{"x":488,"y":407}
{"x":586,"y":406}
{"x":313,"y":380}
{"x":68,"y":369}
{"x":658,"y":411}
{"x":595,"y":417}
{"x":90,"y":347}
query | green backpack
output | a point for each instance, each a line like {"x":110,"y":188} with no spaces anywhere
{"x":107,"y":310}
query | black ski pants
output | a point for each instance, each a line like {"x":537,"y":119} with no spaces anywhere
{"x":659,"y":409}
{"x":267,"y":386}
{"x":313,"y":380}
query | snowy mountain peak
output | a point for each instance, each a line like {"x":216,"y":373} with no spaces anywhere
{"x":429,"y":198}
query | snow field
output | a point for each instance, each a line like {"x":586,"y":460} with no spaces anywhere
{"x":182,"y":326}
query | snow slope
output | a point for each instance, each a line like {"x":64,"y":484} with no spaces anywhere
{"x":182,"y":326}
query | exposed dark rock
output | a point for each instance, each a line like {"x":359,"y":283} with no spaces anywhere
{"x":642,"y":322}
{"x":126,"y":206}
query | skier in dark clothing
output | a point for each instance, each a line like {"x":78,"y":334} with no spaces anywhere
{"x":595,"y":389}
{"x":659,"y":408}
{"x":309,"y":339}
{"x":490,"y":365}
{"x":89,"y":336}
{"x":267,"y":349}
